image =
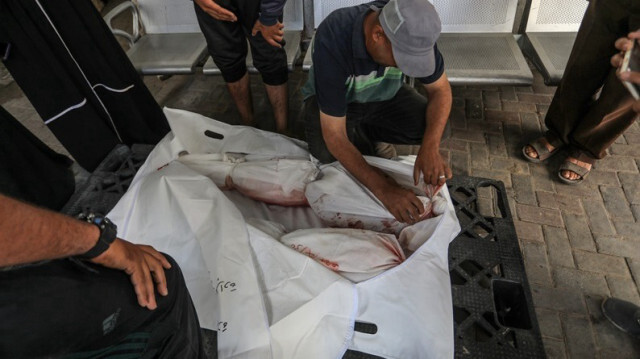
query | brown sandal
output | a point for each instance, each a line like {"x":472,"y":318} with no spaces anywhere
{"x":583,"y":172}
{"x":539,"y":145}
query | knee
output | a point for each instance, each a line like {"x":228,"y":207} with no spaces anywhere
{"x":175,"y":280}
{"x":275,"y":78}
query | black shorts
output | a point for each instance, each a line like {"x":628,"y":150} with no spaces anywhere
{"x":227,"y":43}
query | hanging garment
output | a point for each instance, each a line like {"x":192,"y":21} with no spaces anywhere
{"x":77,"y":77}
{"x":29,"y":170}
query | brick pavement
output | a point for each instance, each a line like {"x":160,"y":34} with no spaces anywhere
{"x":579,"y":243}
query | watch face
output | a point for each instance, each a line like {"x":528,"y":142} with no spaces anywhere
{"x":108,"y":230}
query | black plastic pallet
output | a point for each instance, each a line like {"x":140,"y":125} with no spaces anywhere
{"x":492,"y":304}
{"x":493,"y":308}
{"x":108,"y":183}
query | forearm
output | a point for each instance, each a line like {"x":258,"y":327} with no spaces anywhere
{"x":29,"y":234}
{"x":437,"y":113}
{"x":350,"y":157}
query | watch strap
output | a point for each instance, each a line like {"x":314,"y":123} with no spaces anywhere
{"x":108,"y":234}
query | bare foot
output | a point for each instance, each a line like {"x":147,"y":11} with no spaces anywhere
{"x":531,"y":152}
{"x":570,"y":175}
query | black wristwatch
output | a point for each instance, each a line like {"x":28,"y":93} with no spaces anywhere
{"x":108,"y":233}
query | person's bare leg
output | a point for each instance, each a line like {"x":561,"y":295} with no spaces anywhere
{"x":280,"y":105}
{"x":241,"y":95}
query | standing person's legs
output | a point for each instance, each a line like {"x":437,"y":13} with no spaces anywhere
{"x":227,"y":46}
{"x":62,"y":308}
{"x":586,"y":71}
{"x":588,"y":65}
{"x":241,"y":95}
{"x":279,"y":99}
{"x":608,"y":117}
{"x":604,"y":119}
{"x":271,"y":61}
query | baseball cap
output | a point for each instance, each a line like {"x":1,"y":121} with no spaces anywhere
{"x":412,"y":26}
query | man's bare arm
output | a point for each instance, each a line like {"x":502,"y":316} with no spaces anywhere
{"x":402,"y":203}
{"x":29,"y":234}
{"x":429,"y":162}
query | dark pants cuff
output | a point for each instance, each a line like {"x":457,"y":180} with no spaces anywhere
{"x":276,"y":78}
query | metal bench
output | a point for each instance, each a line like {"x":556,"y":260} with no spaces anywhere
{"x":172,"y":43}
{"x":293,"y":25}
{"x":551,"y":31}
{"x":476,"y":41}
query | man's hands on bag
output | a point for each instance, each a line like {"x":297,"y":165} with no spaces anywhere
{"x":144,"y":265}
{"x":431,"y":166}
{"x":272,"y":34}
{"x":402,"y":203}
{"x":216,"y":11}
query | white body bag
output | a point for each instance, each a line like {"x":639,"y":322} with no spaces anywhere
{"x":265,"y":299}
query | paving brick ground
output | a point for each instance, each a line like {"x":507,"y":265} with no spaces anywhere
{"x":580,"y":243}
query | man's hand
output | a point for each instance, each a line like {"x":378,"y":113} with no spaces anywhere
{"x":430,"y":164}
{"x":273,"y":34}
{"x":216,"y":11}
{"x":624,"y":44}
{"x":143,"y":264}
{"x":403,"y":204}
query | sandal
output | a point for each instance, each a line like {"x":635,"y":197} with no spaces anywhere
{"x":539,"y":145}
{"x":583,"y":172}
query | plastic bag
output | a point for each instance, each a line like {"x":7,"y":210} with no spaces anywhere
{"x":291,"y":306}
{"x":356,"y":254}
{"x":278,"y":181}
{"x":343,"y":202}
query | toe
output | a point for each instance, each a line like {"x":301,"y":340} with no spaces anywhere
{"x":531,"y":152}
{"x":570,"y":175}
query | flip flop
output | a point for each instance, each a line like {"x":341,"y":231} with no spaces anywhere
{"x":539,"y":145}
{"x":583,"y":172}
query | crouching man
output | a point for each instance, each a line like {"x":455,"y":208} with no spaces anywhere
{"x":355,"y":96}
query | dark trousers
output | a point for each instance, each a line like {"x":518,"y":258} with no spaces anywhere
{"x":400,"y":120}
{"x":62,"y":308}
{"x":227,"y":43}
{"x":592,"y":126}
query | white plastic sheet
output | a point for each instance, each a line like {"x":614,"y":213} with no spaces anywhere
{"x":343,"y":202}
{"x":275,"y":181}
{"x":265,"y":299}
{"x":356,"y":254}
